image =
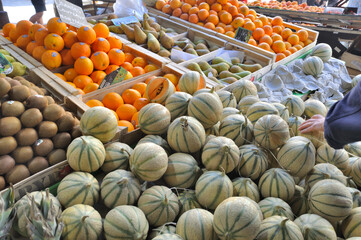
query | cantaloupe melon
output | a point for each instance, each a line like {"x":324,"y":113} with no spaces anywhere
{"x":356,"y":197}
{"x":354,"y":149}
{"x":125,"y":222}
{"x":120,"y":187}
{"x":246,"y":102}
{"x":351,"y":225}
{"x":312,"y":66}
{"x":356,"y":172}
{"x":159,"y":89}
{"x":168,"y":236}
{"x":324,"y":171}
{"x":78,"y":188}
{"x":313,"y":107}
{"x":295,"y":105}
{"x":154,"y":119}
{"x":244,"y":88}
{"x":190,"y":82}
{"x":279,"y":228}
{"x":351,"y":162}
{"x":228,"y":99}
{"x":158,"y":140}
{"x":282,"y":111}
{"x":327,"y":154}
{"x":238,"y":128}
{"x":355,"y":80}
{"x":314,"y":227}
{"x":159,"y":204}
{"x":81,"y":222}
{"x":240,"y":212}
{"x":116,"y":156}
{"x":271,"y":206}
{"x":317,"y":138}
{"x":177,"y":104}
{"x":299,"y":201}
{"x":228,"y":111}
{"x":294,"y":123}
{"x":168,"y":228}
{"x":253,"y":161}
{"x":214,"y":130}
{"x":323,"y":51}
{"x":245,"y":187}
{"x":260,"y":109}
{"x":188,"y":200}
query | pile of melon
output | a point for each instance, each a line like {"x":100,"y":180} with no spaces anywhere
{"x":214,"y":165}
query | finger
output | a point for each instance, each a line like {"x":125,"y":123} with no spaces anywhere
{"x":307,"y":130}
{"x":305,"y":125}
{"x":317,"y":116}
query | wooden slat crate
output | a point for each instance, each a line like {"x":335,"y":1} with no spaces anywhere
{"x":17,"y":56}
{"x":4,"y":41}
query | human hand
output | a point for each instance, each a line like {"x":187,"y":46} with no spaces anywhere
{"x":315,"y":124}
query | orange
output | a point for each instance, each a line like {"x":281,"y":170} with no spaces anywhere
{"x":130,"y":95}
{"x":40,"y":34}
{"x":230,"y":34}
{"x":252,"y":12}
{"x":244,"y":10}
{"x":100,"y":44}
{"x":288,"y":45}
{"x":126,"y":111}
{"x":81,"y":81}
{"x":292,"y":49}
{"x":80,"y":49}
{"x":220,"y":30}
{"x":66,"y":57}
{"x":264,"y":46}
{"x":137,"y":71}
{"x":51,"y":59}
{"x":251,"y":17}
{"x":149,"y":79}
{"x":258,"y":23}
{"x":229,"y":28}
{"x":23,"y":27}
{"x":129,"y":57}
{"x":115,"y":42}
{"x":150,"y":68}
{"x":278,"y":46}
{"x":100,"y":60}
{"x":139,"y":62}
{"x":70,"y":74}
{"x":13,"y":35}
{"x":193,"y":18}
{"x":200,"y":24}
{"x":32,"y":30}
{"x":167,"y":9}
{"x":277,"y":21}
{"x":61,"y":76}
{"x":140,"y":103}
{"x":38,"y":52}
{"x":307,"y":42}
{"x":277,"y":29}
{"x":210,"y":25}
{"x":30,"y":47}
{"x":124,"y":123}
{"x":226,"y":18}
{"x":233,"y":11}
{"x":203,"y":14}
{"x":90,"y":87}
{"x":134,"y":120}
{"x":111,"y":68}
{"x":97,"y":76}
{"x":211,"y":12}
{"x":234,"y":2}
{"x":175,"y":4}
{"x":301,"y":44}
{"x":222,"y":1}
{"x":250,"y":26}
{"x":177,"y":12}
{"x":293,"y":39}
{"x":23,"y":41}
{"x":86,"y":34}
{"x":54,"y":42}
{"x":116,"y":56}
{"x":191,"y":2}
{"x":268,"y":30}
{"x":213,"y":19}
{"x":112,"y":100}
{"x":71,"y":84}
{"x":258,"y":33}
{"x":173,"y":78}
{"x":222,"y":25}
{"x":302,"y":34}
{"x":94,"y":103}
{"x":204,"y":5}
{"x":160,"y":4}
{"x":184,"y":16}
{"x":83,"y":66}
{"x":216,"y":7}
{"x":226,"y":6}
{"x":298,"y":47}
{"x":237,"y":22}
{"x":267,"y":39}
{"x":287,"y":53}
{"x":286,"y":33}
{"x":280,"y":56}
{"x":186,"y":7}
{"x":101,"y":30}
{"x":276,"y":37}
{"x":193,"y":10}
{"x":55,"y":25}
{"x":140,"y":87}
{"x":127,"y":66}
{"x":252,"y":42}
{"x":8,"y":27}
{"x":264,"y":20}
{"x":70,"y":38}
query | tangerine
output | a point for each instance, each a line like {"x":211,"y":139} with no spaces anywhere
{"x":55,"y":25}
{"x":90,"y":87}
{"x":140,"y":103}
{"x":112,"y":100}
{"x":126,"y":112}
{"x":51,"y":59}
{"x":23,"y":41}
{"x":94,"y":103}
{"x":70,"y":74}
{"x":130,"y":96}
{"x":80,"y":49}
{"x":83,"y":66}
{"x":124,"y":123}
{"x":70,"y":38}
{"x":38,"y":52}
{"x":116,"y":56}
{"x":101,"y":30}
{"x":115,"y":42}
{"x":100,"y":60}
{"x":54,"y":42}
{"x":86,"y":34}
{"x":100,"y":44}
{"x":81,"y":81}
{"x":98,"y":76}
{"x":32,"y":30}
{"x":140,"y":87}
{"x":66,"y":57}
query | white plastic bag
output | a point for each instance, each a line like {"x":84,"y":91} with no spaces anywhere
{"x":125,"y":8}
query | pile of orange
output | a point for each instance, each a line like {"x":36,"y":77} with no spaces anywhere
{"x":225,"y":16}
{"x":292,"y":6}
{"x":90,"y":50}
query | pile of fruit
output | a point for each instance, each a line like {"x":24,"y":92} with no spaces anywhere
{"x":289,"y":5}
{"x":225,"y":16}
{"x":18,"y":68}
{"x":90,"y":50}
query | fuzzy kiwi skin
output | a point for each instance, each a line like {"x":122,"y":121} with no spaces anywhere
{"x":47,"y":129}
{"x":66,"y":122}
{"x":14,"y":83}
{"x":31,"y":118}
{"x":4,"y":87}
{"x":56,"y":156}
{"x":19,"y":93}
{"x":37,"y":164}
{"x":26,"y":136}
{"x":7,"y":145}
{"x":53,"y":112}
{"x":62,"y":140}
{"x":37,"y":101}
{"x":9,"y":126}
{"x":43,"y":147}
{"x":2,"y":183}
{"x":12,"y":109}
{"x":6,"y":164}
{"x":23,"y":154}
{"x":17,"y":174}
{"x":50,"y":100}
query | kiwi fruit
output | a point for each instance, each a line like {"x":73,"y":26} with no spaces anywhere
{"x":76,"y":132}
{"x":37,"y":90}
{"x":26,"y":137}
{"x":50,"y":100}
{"x":19,"y":93}
{"x":18,"y":173}
{"x":23,"y":81}
{"x":14,"y":83}
{"x":31,"y":117}
{"x":33,"y":92}
{"x":62,"y":140}
{"x":2,"y":183}
{"x":66,"y":122}
{"x":43,"y":147}
{"x":23,"y":154}
{"x":9,"y":126}
{"x":37,"y":164}
{"x":12,"y":109}
{"x":56,"y":156}
{"x":6,"y":164}
{"x":53,"y":112}
{"x":4,"y":87}
{"x":47,"y":129}
{"x":44,"y":91}
{"x":7,"y":145}
{"x":37,"y":101}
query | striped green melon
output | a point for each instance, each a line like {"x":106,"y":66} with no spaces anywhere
{"x":324,"y":171}
{"x":78,"y":188}
{"x":238,"y":128}
{"x":356,"y":172}
{"x":196,"y":224}
{"x":206,"y":108}
{"x":314,"y":107}
{"x":236,"y":218}
{"x":276,"y":182}
{"x":351,"y":183}
{"x":299,"y":201}
{"x":297,"y":157}
{"x":168,"y":236}
{"x":228,"y":111}
{"x":227,"y":98}
{"x":220,"y":153}
{"x":156,"y":140}
{"x":280,"y":228}
{"x":191,"y":82}
{"x":330,"y":199}
{"x":312,"y":66}
{"x":159,"y":204}
{"x":86,"y":154}
{"x":351,"y":162}
{"x":177,"y":104}
{"x":116,"y":156}
{"x":125,"y":222}
{"x":327,"y":154}
{"x":351,"y":225}
{"x":186,"y":134}
{"x":120,"y":187}
{"x":295,"y":105}
{"x":275,"y":207}
{"x":299,"y":138}
{"x":356,"y":197}
{"x":212,"y":188}
{"x":294,"y":123}
{"x":260,"y":109}
{"x":188,"y":200}
{"x":253,"y":161}
{"x":323,"y":51}
{"x":206,"y":90}
{"x":245,"y":187}
{"x":246,"y":102}
{"x":355,"y":80}
{"x":244,"y":88}
{"x":81,"y":222}
{"x":317,"y":138}
{"x":282,"y":110}
{"x":271,"y":132}
{"x":99,"y":122}
{"x":314,"y":227}
{"x":214,"y":130}
{"x":154,"y":118}
{"x":209,"y":137}
{"x":330,"y":103}
{"x":183,"y":171}
{"x":354,"y":149}
{"x":168,"y":228}
{"x":148,"y":161}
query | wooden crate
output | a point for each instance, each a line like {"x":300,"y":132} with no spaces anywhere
{"x":4,"y":41}
{"x":10,"y":48}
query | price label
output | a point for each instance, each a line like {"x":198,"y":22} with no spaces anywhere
{"x":5,"y":66}
{"x":243,"y":34}
{"x":114,"y":77}
{"x":70,"y":13}
{"x":124,"y":20}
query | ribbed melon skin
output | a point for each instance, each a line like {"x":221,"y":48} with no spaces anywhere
{"x":116,"y":156}
{"x":237,"y":218}
{"x":317,"y":138}
{"x":177,"y":104}
{"x":295,"y":105}
{"x":245,"y":187}
{"x":238,"y":128}
{"x":351,"y":225}
{"x":299,"y":201}
{"x":312,"y":66}
{"x":313,"y":107}
{"x":158,"y":140}
{"x":86,"y":154}
{"x":294,"y":123}
{"x":212,"y":188}
{"x":125,"y":222}
{"x":168,"y":236}
{"x":354,"y":149}
{"x":275,"y":207}
{"x":314,"y":227}
{"x":244,"y":88}
{"x":324,"y":171}
{"x":196,"y":224}
{"x":214,"y":130}
{"x":356,"y":172}
{"x":78,"y":188}
{"x":168,"y":228}
{"x":190,"y":82}
{"x":75,"y":228}
{"x":120,"y":187}
{"x":159,"y":204}
{"x":323,"y":51}
{"x":260,"y":109}
{"x":282,"y":111}
{"x":351,"y":162}
{"x":229,"y":111}
{"x":339,"y":158}
{"x":280,"y":228}
{"x":227,"y":98}
{"x":188,"y":201}
{"x":253,"y":161}
{"x":356,"y":197}
{"x":161,"y":99}
{"x":154,"y":119}
{"x":246,"y":102}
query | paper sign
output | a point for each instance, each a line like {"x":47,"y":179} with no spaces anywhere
{"x":70,"y":13}
{"x":5,"y":66}
{"x":124,"y":20}
{"x":243,"y":34}
{"x":116,"y":76}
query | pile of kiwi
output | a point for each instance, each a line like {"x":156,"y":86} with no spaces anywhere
{"x":34,"y":130}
